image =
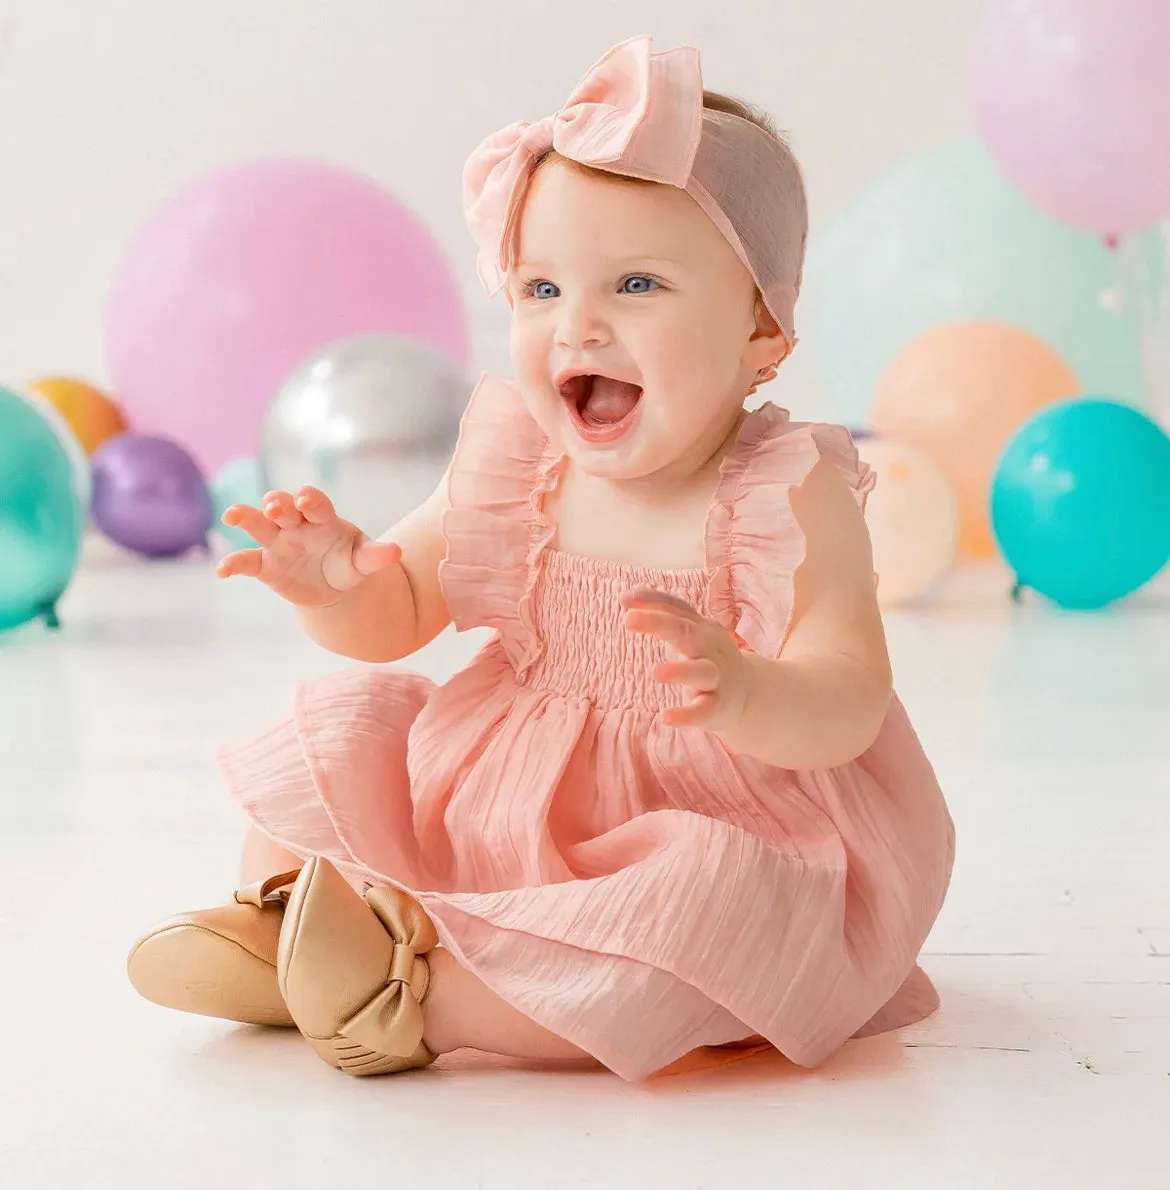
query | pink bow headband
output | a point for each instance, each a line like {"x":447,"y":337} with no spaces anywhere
{"x":640,"y":114}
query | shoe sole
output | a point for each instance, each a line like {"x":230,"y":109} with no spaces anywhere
{"x":171,"y":968}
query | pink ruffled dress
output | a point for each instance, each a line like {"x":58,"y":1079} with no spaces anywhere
{"x":637,"y":889}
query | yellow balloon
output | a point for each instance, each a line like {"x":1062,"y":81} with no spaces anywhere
{"x":959,"y":392}
{"x":913,"y":519}
{"x":91,"y":415}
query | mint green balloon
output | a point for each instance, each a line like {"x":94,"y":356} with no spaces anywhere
{"x":42,"y":514}
{"x":943,"y":237}
{"x":240,"y":481}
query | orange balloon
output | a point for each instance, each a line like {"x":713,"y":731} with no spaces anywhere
{"x":91,"y":415}
{"x":959,"y":393}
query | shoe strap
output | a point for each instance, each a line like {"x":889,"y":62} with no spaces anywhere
{"x":274,"y":890}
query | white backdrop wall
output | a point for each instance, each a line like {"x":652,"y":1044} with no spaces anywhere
{"x":106,"y":106}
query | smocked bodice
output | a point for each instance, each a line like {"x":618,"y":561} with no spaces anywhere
{"x":559,"y":615}
{"x":589,"y":652}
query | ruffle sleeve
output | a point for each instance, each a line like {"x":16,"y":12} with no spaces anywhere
{"x":495,"y":527}
{"x":754,"y":543}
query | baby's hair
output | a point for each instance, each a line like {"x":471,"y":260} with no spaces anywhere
{"x":715,"y":101}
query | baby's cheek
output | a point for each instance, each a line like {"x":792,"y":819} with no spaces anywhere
{"x":521,"y":347}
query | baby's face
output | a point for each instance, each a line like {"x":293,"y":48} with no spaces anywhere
{"x":636,"y":331}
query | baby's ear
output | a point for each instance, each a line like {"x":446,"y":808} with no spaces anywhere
{"x":768,"y":345}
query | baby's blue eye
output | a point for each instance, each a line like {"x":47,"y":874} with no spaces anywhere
{"x":639,"y":284}
{"x":544,"y":290}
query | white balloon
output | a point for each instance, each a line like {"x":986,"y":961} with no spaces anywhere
{"x":371,"y":421}
{"x":913,"y":519}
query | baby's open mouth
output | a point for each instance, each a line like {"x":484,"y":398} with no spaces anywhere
{"x":600,"y":401}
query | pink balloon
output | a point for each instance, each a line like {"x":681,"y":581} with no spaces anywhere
{"x":246,"y":272}
{"x":1073,"y":100}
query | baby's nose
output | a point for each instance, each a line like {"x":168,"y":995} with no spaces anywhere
{"x":582,"y":325}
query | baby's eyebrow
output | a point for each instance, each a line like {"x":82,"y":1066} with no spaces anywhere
{"x":625,"y":262}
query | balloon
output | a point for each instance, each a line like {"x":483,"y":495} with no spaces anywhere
{"x":1073,"y":99}
{"x":913,"y":519}
{"x":240,"y":481}
{"x":945,"y":238}
{"x":91,"y":415}
{"x":1144,"y":293}
{"x":958,"y":393}
{"x":70,"y":443}
{"x":150,"y":496}
{"x":1080,"y":503}
{"x":244,"y":273}
{"x":42,"y":517}
{"x":372,"y":422}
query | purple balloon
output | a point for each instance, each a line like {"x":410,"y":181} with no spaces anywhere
{"x":1073,"y":100}
{"x":150,"y":496}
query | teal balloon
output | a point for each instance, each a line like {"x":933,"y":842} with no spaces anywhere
{"x":1080,"y":502}
{"x":42,"y":514}
{"x":240,"y":481}
{"x":945,"y":238}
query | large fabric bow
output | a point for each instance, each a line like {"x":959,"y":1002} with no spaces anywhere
{"x":635,"y":113}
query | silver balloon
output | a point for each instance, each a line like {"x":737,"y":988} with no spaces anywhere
{"x":371,"y":421}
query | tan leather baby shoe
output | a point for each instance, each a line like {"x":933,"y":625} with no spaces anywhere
{"x":351,"y":972}
{"x":218,"y":962}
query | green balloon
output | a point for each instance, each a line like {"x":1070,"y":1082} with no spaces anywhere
{"x":42,"y":514}
{"x":945,"y":238}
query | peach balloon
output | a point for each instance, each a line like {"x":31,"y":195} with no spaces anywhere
{"x":91,"y":415}
{"x":913,"y":519}
{"x":958,"y":393}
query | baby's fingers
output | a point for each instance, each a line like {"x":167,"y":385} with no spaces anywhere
{"x":245,"y":562}
{"x":648,"y":597}
{"x":670,"y":626}
{"x":372,"y":556}
{"x":253,"y":522}
{"x":279,"y":508}
{"x":315,"y":506}
{"x":699,"y":712}
{"x":701,"y":675}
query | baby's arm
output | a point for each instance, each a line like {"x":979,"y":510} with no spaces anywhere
{"x":823,"y":702}
{"x":394,"y":611}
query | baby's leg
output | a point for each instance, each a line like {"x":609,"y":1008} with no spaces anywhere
{"x":460,"y":1011}
{"x":262,"y":858}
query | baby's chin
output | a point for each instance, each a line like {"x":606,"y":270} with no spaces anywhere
{"x":640,"y":456}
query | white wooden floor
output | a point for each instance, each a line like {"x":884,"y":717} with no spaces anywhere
{"x":1048,"y":1066}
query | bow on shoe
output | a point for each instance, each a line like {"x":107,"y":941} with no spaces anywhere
{"x":392,"y":1022}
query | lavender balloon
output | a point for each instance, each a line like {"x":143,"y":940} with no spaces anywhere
{"x":150,"y":496}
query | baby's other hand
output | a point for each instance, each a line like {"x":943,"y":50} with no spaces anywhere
{"x":307,"y":554}
{"x":712,"y":669}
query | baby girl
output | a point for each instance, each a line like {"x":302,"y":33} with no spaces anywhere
{"x":673,"y":802}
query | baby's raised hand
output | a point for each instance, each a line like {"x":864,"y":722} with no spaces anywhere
{"x":307,"y":554}
{"x":712,"y":666}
